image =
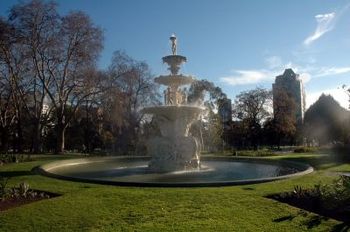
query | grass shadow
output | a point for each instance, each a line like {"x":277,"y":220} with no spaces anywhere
{"x":10,"y":174}
{"x":285,"y":218}
{"x":342,"y":227}
{"x":315,"y":221}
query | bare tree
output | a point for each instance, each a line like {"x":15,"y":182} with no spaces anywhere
{"x":63,"y":50}
{"x":12,"y":71}
{"x":130,"y":87}
{"x":79,"y":46}
{"x":34,"y":24}
{"x":7,"y":109}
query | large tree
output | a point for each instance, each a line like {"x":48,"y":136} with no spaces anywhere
{"x":326,"y":121}
{"x":130,"y":87}
{"x":205,"y":92}
{"x":63,"y":50}
{"x":252,"y":108}
{"x":210,"y":129}
{"x":14,"y":85}
{"x":284,"y":123}
{"x":32,"y":25}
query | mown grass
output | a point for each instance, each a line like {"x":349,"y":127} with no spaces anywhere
{"x":89,"y":207}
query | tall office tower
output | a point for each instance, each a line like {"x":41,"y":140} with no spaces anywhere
{"x":293,"y":86}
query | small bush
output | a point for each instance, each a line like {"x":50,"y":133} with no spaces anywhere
{"x":305,"y":150}
{"x":3,"y":188}
{"x":332,"y":196}
{"x":23,"y":189}
{"x":258,"y":153}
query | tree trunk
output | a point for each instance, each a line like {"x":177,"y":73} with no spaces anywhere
{"x":19,"y":139}
{"x":36,"y":138}
{"x":4,"y":140}
{"x":60,"y":138}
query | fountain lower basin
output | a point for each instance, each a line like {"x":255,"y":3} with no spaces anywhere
{"x":134,"y":171}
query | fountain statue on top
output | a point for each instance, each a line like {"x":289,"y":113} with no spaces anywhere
{"x":175,"y":149}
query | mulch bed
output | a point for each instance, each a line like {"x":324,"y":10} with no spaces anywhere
{"x":19,"y":201}
{"x":314,"y":205}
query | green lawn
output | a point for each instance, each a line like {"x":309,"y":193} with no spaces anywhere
{"x":89,"y":207}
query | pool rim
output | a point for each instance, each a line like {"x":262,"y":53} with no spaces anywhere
{"x":44,"y":170}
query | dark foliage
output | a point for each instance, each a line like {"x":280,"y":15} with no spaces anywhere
{"x":329,"y":200}
{"x":327,"y":122}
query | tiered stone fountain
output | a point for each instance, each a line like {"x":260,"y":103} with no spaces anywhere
{"x":175,"y":149}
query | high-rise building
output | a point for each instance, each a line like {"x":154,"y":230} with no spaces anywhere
{"x":293,"y":86}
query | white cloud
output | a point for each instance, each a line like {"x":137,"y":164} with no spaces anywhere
{"x":328,"y":71}
{"x":306,"y":73}
{"x":338,"y":94}
{"x":305,"y":77}
{"x":245,"y":77}
{"x":325,"y":23}
{"x":275,"y":67}
{"x":273,"y":62}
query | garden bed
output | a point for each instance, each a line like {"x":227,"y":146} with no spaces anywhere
{"x":18,"y":201}
{"x":332,"y":200}
{"x":17,"y":196}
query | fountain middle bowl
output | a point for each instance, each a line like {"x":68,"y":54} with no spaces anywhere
{"x":134,"y":171}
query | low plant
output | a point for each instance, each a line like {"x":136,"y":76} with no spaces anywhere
{"x":337,"y":194}
{"x":3,"y":187}
{"x":331,"y":196}
{"x":253,"y":153}
{"x":23,"y":189}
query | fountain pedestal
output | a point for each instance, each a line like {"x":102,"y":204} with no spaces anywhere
{"x":173,"y":154}
{"x":175,"y":149}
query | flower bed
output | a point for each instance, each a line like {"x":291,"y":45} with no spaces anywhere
{"x":331,"y":200}
{"x":17,"y":196}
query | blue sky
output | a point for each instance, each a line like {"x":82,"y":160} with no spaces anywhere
{"x":238,"y":45}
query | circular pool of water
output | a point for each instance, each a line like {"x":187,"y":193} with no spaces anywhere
{"x":133,"y":171}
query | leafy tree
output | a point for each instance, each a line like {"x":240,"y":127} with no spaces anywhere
{"x":252,"y":108}
{"x":326,"y":121}
{"x":284,"y":121}
{"x":215,"y":132}
{"x":205,"y":91}
{"x":210,"y":129}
